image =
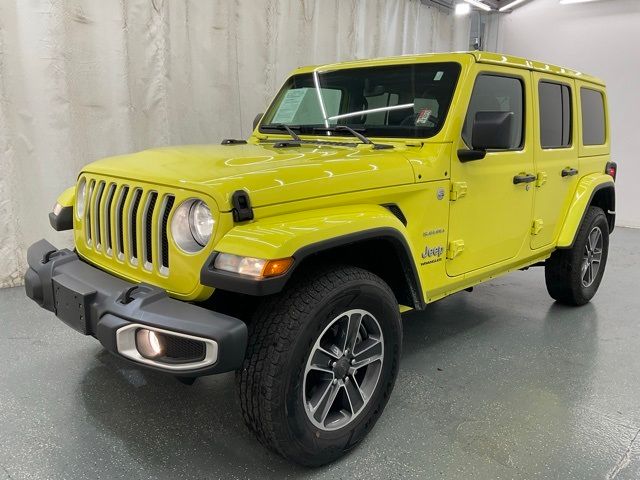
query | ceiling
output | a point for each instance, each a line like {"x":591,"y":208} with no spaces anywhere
{"x":496,"y":4}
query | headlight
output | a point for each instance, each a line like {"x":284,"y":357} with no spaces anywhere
{"x":192,"y":225}
{"x":81,"y":193}
{"x":200,"y":222}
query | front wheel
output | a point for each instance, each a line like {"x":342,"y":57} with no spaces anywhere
{"x":321,"y":363}
{"x":574,"y":275}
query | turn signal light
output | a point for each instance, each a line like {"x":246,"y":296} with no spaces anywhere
{"x":274,"y":268}
{"x":611,"y":169}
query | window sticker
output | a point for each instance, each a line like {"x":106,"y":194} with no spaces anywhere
{"x":290,"y":105}
{"x":438,"y":76}
{"x":423,"y":116}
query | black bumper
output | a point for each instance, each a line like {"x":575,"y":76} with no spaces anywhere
{"x":99,"y":304}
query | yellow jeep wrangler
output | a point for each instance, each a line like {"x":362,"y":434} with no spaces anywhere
{"x":366,"y":189}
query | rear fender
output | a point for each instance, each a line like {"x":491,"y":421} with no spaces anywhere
{"x":586,"y":191}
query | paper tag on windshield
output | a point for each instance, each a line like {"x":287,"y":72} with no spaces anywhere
{"x":423,"y":116}
{"x":289,"y":105}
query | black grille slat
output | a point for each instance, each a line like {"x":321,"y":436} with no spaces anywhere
{"x":97,"y":214}
{"x":133,"y":223}
{"x":164,"y":235}
{"x":107,"y":214}
{"x":120,"y":219}
{"x":153,"y":197}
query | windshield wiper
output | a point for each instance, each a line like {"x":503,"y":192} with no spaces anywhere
{"x":287,"y":128}
{"x":355,"y":133}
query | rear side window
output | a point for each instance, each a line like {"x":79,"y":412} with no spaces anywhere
{"x":493,"y":93}
{"x":593,"y":131}
{"x":555,"y":115}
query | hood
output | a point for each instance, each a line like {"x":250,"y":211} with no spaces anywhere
{"x":270,"y":175}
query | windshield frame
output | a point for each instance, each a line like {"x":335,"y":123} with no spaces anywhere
{"x":315,"y":130}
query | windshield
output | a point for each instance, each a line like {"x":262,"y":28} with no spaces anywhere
{"x":409,"y":101}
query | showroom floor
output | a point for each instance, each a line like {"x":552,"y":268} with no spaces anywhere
{"x":498,"y":383}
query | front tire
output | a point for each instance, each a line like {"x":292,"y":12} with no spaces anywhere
{"x":574,"y":275}
{"x":321,"y":363}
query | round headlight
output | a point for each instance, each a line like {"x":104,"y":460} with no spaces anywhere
{"x":192,"y":225}
{"x":201,"y":222}
{"x":81,"y":193}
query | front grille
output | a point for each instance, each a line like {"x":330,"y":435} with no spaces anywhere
{"x":128,"y":223}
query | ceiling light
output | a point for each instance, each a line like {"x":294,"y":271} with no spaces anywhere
{"x":479,"y":4}
{"x":463,"y":8}
{"x":511,"y":5}
{"x":569,"y":2}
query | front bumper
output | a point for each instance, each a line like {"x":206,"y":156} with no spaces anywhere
{"x":99,"y":304}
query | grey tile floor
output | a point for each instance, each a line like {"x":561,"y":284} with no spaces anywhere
{"x":498,"y":383}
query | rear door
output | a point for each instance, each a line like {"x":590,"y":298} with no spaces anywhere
{"x":490,"y":214}
{"x":556,"y":155}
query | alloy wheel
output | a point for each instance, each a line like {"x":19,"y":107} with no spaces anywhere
{"x":343,"y":369}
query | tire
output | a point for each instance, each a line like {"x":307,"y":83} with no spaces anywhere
{"x":278,"y":383}
{"x":568,"y":281}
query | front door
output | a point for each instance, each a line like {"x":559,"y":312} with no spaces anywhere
{"x":492,"y":198}
{"x":556,"y":155}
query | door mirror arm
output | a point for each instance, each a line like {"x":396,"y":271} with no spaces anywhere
{"x":466,"y":155}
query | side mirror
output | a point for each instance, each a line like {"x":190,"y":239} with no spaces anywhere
{"x":257,"y":119}
{"x":490,"y":131}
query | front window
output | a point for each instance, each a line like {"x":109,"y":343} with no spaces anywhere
{"x":406,"y":101}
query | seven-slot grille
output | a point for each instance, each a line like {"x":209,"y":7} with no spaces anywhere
{"x":112,"y":217}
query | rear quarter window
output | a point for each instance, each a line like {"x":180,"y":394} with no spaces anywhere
{"x":593,"y":121}
{"x":555,"y":115}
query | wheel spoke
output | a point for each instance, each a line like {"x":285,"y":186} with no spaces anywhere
{"x":323,"y":407}
{"x":354,"y":395}
{"x":592,"y":240}
{"x":353,"y":325}
{"x":369,"y":355}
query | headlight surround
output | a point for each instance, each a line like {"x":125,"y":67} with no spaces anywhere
{"x":192,"y":225}
{"x":81,"y":194}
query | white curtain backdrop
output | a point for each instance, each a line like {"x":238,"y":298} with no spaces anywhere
{"x":85,"y":79}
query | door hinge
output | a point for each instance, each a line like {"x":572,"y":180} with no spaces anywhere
{"x":458,"y":190}
{"x":536,"y":227}
{"x":541,"y":179}
{"x":455,"y":248}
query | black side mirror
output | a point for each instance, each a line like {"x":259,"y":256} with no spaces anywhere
{"x":490,"y":131}
{"x":257,"y":119}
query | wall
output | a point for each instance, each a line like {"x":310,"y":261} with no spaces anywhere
{"x":84,"y":79}
{"x":599,"y":38}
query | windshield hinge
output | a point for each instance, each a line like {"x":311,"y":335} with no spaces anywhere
{"x":458,"y":190}
{"x":455,"y":248}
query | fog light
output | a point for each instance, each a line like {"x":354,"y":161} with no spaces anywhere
{"x":150,"y":344}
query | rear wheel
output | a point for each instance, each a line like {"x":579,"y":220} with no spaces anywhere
{"x":321,"y":363}
{"x":574,"y":275}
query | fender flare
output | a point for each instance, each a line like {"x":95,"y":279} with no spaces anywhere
{"x":583,"y":197}
{"x":356,"y":224}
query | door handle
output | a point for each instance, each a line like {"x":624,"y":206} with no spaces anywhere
{"x":569,"y":172}
{"x":524,"y":178}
